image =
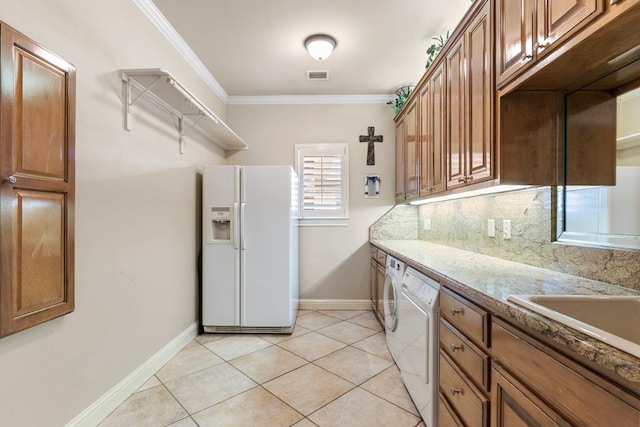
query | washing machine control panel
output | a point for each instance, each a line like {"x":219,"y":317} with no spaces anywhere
{"x":421,"y":288}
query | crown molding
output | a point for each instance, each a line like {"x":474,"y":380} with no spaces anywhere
{"x":156,"y":17}
{"x":309,"y":99}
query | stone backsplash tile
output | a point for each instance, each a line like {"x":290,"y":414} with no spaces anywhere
{"x":462,"y":224}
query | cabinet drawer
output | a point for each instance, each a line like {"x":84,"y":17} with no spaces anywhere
{"x":381,"y":257}
{"x":466,"y":317}
{"x":446,"y":417}
{"x":469,"y":404}
{"x":572,"y":394}
{"x":469,"y":358}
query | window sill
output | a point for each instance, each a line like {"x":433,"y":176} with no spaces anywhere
{"x":323,"y":222}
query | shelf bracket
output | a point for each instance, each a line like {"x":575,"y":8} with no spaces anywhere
{"x":129,"y":102}
{"x":183,"y":132}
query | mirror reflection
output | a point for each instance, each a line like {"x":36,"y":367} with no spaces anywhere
{"x":610,"y":215}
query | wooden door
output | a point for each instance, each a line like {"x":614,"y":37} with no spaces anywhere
{"x":37,"y":117}
{"x":412,"y":170}
{"x":437,"y":127}
{"x":425,"y":140}
{"x":558,"y":17}
{"x":512,"y":405}
{"x":380,"y":276}
{"x":479,"y":95}
{"x":456,"y":132}
{"x":514,"y":34}
{"x":399,"y":160}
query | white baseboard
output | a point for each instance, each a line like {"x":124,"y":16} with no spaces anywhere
{"x":102,"y":407}
{"x":334,"y":304}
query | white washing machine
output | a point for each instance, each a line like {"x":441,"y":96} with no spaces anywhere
{"x":412,"y":337}
{"x":388,"y":298}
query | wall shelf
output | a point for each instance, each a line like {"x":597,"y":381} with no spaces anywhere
{"x":161,"y":88}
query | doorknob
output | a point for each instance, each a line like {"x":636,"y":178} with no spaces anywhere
{"x":10,"y":179}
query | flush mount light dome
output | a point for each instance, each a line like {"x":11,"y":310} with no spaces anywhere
{"x":320,"y":46}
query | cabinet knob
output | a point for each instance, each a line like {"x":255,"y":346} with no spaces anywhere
{"x":455,"y":348}
{"x":10,"y":179}
{"x":461,"y":180}
{"x":527,"y":57}
{"x":455,"y":391}
{"x":541,"y":45}
{"x":455,"y":311}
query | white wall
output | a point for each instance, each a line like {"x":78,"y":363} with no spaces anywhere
{"x":334,"y":261}
{"x":136,"y":217}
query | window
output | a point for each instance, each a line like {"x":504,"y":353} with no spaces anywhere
{"x":323,"y":171}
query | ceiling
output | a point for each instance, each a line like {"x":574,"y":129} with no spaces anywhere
{"x":255,"y":47}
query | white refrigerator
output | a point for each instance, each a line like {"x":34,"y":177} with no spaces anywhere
{"x":249,"y":249}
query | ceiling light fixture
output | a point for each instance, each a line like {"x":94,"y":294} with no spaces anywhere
{"x":320,"y":46}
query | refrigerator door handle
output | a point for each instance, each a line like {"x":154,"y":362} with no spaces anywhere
{"x":236,"y":226}
{"x":242,"y":242}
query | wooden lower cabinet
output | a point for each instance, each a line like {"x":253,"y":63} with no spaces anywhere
{"x":446,"y":416}
{"x":469,"y":403}
{"x":512,"y":405}
{"x":576,"y":394}
{"x":377,"y":273}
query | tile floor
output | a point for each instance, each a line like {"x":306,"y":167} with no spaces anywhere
{"x":334,"y":370}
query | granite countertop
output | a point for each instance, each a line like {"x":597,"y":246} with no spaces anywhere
{"x":489,"y":281}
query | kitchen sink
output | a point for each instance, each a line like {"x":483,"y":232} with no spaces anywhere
{"x":612,"y":319}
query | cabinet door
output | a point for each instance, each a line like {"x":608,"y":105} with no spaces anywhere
{"x":399,"y":160}
{"x":512,"y":405}
{"x":426,"y":142}
{"x":437,"y":127}
{"x":380,"y":292}
{"x":558,"y":17}
{"x":373,"y":271}
{"x":411,"y":147}
{"x":456,"y":133}
{"x":37,"y":112}
{"x":514,"y":36}
{"x":479,"y":95}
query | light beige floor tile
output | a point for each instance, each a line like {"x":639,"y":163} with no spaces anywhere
{"x":192,"y":343}
{"x":422,"y":424}
{"x":152,"y":407}
{"x":342,"y":314}
{"x":375,"y":344}
{"x":253,"y":408}
{"x":388,"y":385}
{"x":304,"y":312}
{"x":368,"y":320}
{"x":206,"y":388}
{"x":312,"y":346}
{"x":264,"y":365}
{"x":151,"y":382}
{"x":304,"y":423}
{"x":187,"y":422}
{"x":316,"y":320}
{"x":308,"y":388}
{"x":361,"y":408}
{"x":205,"y":338}
{"x":188,"y":361}
{"x":237,"y":345}
{"x":353,"y":365}
{"x":346,"y":332}
{"x":278,"y":338}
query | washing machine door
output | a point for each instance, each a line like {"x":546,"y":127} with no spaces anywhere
{"x":390,"y":302}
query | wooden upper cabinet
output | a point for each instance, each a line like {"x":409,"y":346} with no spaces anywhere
{"x":528,"y":29}
{"x":456,"y":115}
{"x":469,"y":104}
{"x":514,"y":36}
{"x":411,"y":147}
{"x":432,"y":132}
{"x":37,"y":189}
{"x":399,"y":160}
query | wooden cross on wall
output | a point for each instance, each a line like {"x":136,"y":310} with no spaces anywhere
{"x":371,"y":139}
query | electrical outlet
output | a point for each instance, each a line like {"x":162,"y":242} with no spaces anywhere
{"x":427,"y":224}
{"x":506,"y":228}
{"x":491,"y":228}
